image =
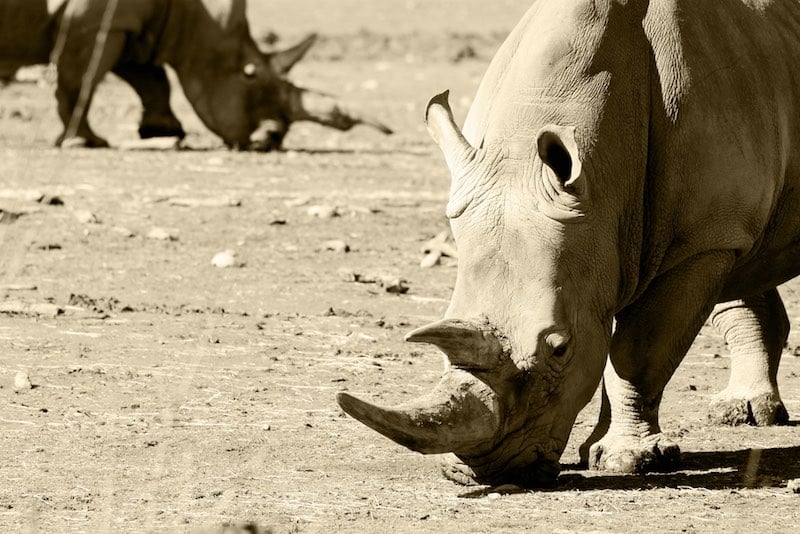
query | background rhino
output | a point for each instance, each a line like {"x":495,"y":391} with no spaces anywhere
{"x":239,"y":93}
{"x":631,"y":161}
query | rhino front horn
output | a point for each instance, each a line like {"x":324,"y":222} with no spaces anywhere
{"x":462,"y":421}
{"x":465,"y":343}
{"x":308,"y":105}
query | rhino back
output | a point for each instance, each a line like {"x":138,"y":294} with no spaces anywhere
{"x":27,"y":30}
{"x":725,"y":131}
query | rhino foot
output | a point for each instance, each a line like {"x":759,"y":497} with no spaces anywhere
{"x":82,"y":142}
{"x":762,"y":410}
{"x":627,"y":454}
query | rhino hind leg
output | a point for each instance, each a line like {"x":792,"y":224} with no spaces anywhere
{"x":151,"y":84}
{"x":76,"y":86}
{"x":755,"y":329}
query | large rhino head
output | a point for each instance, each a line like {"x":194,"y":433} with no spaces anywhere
{"x":541,"y":179}
{"x":242,"y":94}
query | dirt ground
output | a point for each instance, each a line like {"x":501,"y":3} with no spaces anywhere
{"x":172,"y":395}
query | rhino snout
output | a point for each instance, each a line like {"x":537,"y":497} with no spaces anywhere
{"x":268,"y":136}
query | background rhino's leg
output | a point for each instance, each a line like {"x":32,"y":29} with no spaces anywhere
{"x":151,"y":84}
{"x":78,"y":77}
{"x":756,"y":330}
{"x":651,"y":338}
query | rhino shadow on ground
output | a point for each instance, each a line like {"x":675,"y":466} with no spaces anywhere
{"x":715,"y":470}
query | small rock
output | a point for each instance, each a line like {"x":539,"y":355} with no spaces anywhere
{"x":394,"y":284}
{"x":22,"y":382}
{"x":296,"y":202}
{"x":162,"y":234}
{"x":154,"y":143}
{"x":124,"y":232}
{"x":225,"y":259}
{"x":336,"y":245}
{"x":794,"y":486}
{"x":347,"y":275}
{"x":430,"y":259}
{"x":86,"y":217}
{"x":51,"y":200}
{"x":18,"y":287}
{"x":211,"y":202}
{"x":45,"y":309}
{"x":323,"y":211}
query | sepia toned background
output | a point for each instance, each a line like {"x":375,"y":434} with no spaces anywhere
{"x":172,"y":396}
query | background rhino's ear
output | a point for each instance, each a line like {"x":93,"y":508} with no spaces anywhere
{"x":284,"y":60}
{"x":444,"y":130}
{"x":559,"y":151}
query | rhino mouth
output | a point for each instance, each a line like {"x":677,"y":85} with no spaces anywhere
{"x":479,"y":411}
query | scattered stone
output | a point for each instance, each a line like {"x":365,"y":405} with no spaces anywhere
{"x":50,"y":200}
{"x":323,"y":212}
{"x":211,"y":202}
{"x":794,"y":486}
{"x":297,"y":202}
{"x":336,"y":245}
{"x":25,"y":195}
{"x":391,"y":283}
{"x":225,"y":259}
{"x":48,"y":246}
{"x":18,"y":287}
{"x":22,"y":382}
{"x":154,"y":143}
{"x":8,"y":217}
{"x":162,"y":234}
{"x":434,"y":249}
{"x":86,"y":217}
{"x":124,"y":232}
{"x":45,"y":309}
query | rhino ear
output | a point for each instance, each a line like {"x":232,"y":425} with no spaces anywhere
{"x":558,"y":150}
{"x":284,"y":60}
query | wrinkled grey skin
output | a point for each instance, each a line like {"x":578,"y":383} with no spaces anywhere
{"x":631,"y":162}
{"x":240,"y":93}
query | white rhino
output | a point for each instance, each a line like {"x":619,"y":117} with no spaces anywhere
{"x":628,"y":161}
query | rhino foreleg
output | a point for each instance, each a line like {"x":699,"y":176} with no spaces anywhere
{"x":651,"y":338}
{"x":755,"y":329}
{"x":78,"y":76}
{"x":151,"y":84}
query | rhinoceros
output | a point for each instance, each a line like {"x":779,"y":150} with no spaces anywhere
{"x":240,"y":93}
{"x":625,"y":167}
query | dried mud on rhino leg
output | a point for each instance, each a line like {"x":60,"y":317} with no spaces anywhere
{"x":755,"y":329}
{"x":651,"y":338}
{"x":151,"y":84}
{"x":76,"y":86}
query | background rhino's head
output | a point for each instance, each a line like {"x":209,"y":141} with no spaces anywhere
{"x":242,"y":94}
{"x":544,"y":211}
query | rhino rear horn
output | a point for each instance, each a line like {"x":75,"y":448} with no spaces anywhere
{"x":466,"y":345}
{"x":462,"y":420}
{"x":284,"y":60}
{"x":446,"y":133}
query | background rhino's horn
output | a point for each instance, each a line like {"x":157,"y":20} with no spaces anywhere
{"x":461,"y":421}
{"x":444,"y":130}
{"x":466,"y":344}
{"x":308,"y":105}
{"x":283,"y":60}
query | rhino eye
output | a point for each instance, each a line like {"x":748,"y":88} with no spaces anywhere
{"x":249,"y":70}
